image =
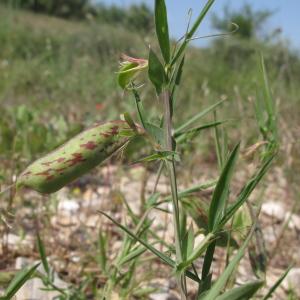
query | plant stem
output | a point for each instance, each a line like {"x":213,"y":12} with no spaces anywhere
{"x":172,"y":175}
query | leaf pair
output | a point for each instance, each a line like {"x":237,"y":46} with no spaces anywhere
{"x":219,"y":214}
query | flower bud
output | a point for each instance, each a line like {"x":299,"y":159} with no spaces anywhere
{"x":130,"y":68}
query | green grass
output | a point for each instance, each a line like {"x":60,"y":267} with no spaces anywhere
{"x":47,"y":62}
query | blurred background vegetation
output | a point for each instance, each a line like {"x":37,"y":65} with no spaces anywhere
{"x":58,"y":64}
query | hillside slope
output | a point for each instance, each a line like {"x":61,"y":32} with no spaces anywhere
{"x":49,"y":61}
{"x":68,"y":68}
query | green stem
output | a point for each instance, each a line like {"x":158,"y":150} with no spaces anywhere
{"x":175,"y":201}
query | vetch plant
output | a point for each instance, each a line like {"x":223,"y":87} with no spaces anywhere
{"x":94,"y":145}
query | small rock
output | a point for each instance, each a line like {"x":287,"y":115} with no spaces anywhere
{"x":16,"y":242}
{"x":160,"y":296}
{"x":21,"y":262}
{"x":274,"y":210}
{"x":163,"y":294}
{"x":103,"y":191}
{"x":74,"y":257}
{"x":68,"y":206}
{"x":115,"y":296}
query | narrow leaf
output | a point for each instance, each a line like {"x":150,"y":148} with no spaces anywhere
{"x":221,"y":281}
{"x":42,"y":253}
{"x":161,"y":155}
{"x":265,"y":107}
{"x":138,"y":251}
{"x":221,"y":144}
{"x":192,"y":133}
{"x":139,"y":106}
{"x":246,"y":192}
{"x":187,"y":236}
{"x":162,"y":30}
{"x":190,"y":241}
{"x":266,"y":90}
{"x":198,"y":251}
{"x":208,"y":258}
{"x":175,"y":80}
{"x":217,"y":207}
{"x":156,"y":133}
{"x":197,"y":117}
{"x":179,"y":71}
{"x":101,"y":255}
{"x":156,"y":72}
{"x":220,"y":194}
{"x":277,"y":284}
{"x":19,"y":280}
{"x":244,"y":292}
{"x":191,"y":190}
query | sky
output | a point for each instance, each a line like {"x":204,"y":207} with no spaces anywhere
{"x":286,"y":15}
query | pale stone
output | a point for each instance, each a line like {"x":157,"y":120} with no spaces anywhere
{"x":159,"y":296}
{"x":68,"y":206}
{"x":274,"y":209}
{"x":16,"y":242}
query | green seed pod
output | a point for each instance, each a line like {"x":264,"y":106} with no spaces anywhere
{"x":76,"y":157}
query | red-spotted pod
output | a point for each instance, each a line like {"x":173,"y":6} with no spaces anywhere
{"x":76,"y":157}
